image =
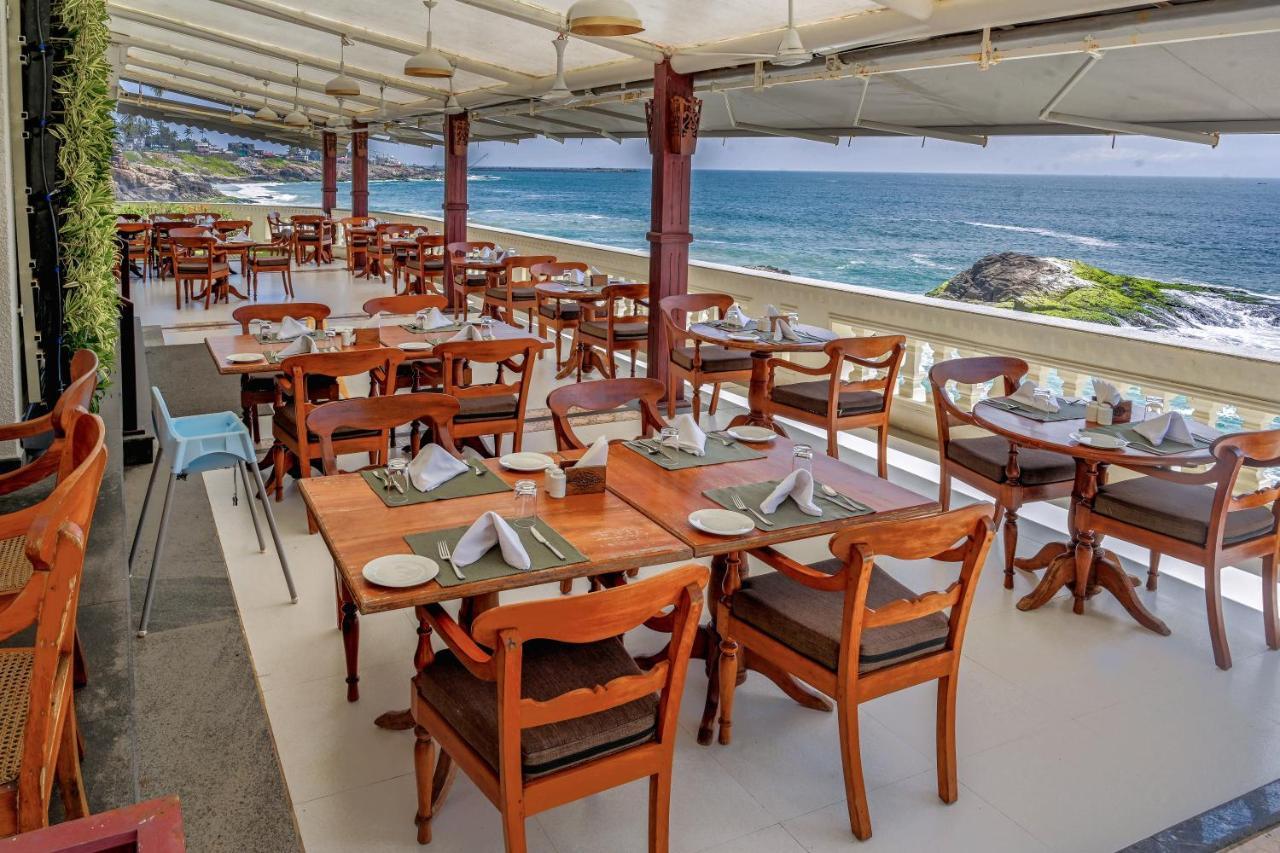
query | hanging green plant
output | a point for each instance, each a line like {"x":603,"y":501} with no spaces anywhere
{"x":86,"y":197}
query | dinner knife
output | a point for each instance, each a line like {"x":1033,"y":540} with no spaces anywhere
{"x":537,"y":534}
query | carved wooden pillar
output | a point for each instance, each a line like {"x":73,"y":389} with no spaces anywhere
{"x":359,"y":169}
{"x":457,"y":135}
{"x":329,"y":171}
{"x":673,"y":115}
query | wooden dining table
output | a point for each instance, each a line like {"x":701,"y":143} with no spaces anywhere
{"x":761,"y":351}
{"x":1082,"y":563}
{"x":582,"y":356}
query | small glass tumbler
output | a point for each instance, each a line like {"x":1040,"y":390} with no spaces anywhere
{"x":397,"y":473}
{"x":802,"y":458}
{"x":526,"y":511}
{"x":331,"y":342}
{"x":486,"y":328}
{"x":793,"y":319}
{"x":267,"y":330}
{"x":1043,"y":398}
{"x":669,"y":438}
{"x":1153,"y":407}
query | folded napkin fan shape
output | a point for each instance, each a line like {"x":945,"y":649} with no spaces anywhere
{"x":488,"y":530}
{"x":291,"y":328}
{"x":735,"y":316}
{"x":1105,"y":392}
{"x":433,"y":318}
{"x":1026,"y":396}
{"x":692,"y":439}
{"x":433,"y":467}
{"x":597,"y":454}
{"x":798,"y":485}
{"x":1170,"y":425}
{"x":303,"y":345}
{"x":467,"y":333}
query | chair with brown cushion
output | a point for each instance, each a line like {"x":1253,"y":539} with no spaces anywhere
{"x":1195,"y":516}
{"x":260,"y":390}
{"x":313,"y":238}
{"x":274,"y":226}
{"x":275,"y":257}
{"x":1012,"y":476}
{"x":39,"y":739}
{"x":138,"y":237}
{"x":382,"y":254}
{"x":415,"y":374}
{"x":604,"y":395}
{"x":702,"y":362}
{"x":465,"y":282}
{"x":621,"y":326}
{"x":540,"y":704}
{"x":493,"y":408}
{"x":855,"y":633}
{"x":357,"y":244}
{"x":294,"y":440}
{"x":836,"y":403}
{"x":513,"y":291}
{"x":161,"y":247}
{"x":422,"y":265}
{"x":195,"y":259}
{"x":559,"y":314}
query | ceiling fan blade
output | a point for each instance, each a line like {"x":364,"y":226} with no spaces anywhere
{"x":726,"y":53}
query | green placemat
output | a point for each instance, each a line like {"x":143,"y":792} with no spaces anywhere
{"x":419,"y":330}
{"x":787,"y":514}
{"x":273,"y":339}
{"x":461,"y":486}
{"x":1066,"y":411}
{"x":1138,"y":442}
{"x":717,"y":453}
{"x":491,"y":565}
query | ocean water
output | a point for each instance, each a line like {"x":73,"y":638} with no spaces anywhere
{"x":902,"y":232}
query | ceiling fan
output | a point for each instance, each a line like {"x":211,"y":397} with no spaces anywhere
{"x":791,"y":49}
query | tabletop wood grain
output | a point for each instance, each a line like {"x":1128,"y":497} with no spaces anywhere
{"x":715,"y":335}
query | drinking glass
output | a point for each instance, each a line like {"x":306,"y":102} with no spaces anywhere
{"x":397,"y":471}
{"x":1044,"y":397}
{"x":526,"y":512}
{"x":486,"y":328}
{"x":331,"y":340}
{"x":669,"y":438}
{"x":793,"y":319}
{"x":1154,"y":406}
{"x":802,"y":458}
{"x":267,"y":330}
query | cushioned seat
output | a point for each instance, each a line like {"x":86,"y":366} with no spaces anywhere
{"x":808,"y":620}
{"x":15,"y":568}
{"x":518,"y":294}
{"x":431,"y":266}
{"x":486,"y":408}
{"x":621,"y":331}
{"x":283,"y":418}
{"x":317,"y":386}
{"x":15,"y":693}
{"x":1177,"y":510}
{"x":988,"y":456}
{"x":714,"y":359}
{"x":270,"y":261}
{"x":560,"y":310}
{"x":549,"y":670}
{"x":812,"y":397}
{"x":219,"y":269}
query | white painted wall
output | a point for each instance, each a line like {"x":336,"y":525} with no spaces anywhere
{"x":10,"y":343}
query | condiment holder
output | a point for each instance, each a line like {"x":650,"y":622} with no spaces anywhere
{"x":599,"y":280}
{"x":583,"y":481}
{"x":1106,"y":414}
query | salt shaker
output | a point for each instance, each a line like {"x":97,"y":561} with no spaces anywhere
{"x":1106,"y":414}
{"x":1091,"y":412}
{"x":555,"y":482}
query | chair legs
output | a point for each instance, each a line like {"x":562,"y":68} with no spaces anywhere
{"x":1217,"y":627}
{"x":882,"y":452}
{"x":855,"y":790}
{"x":728,"y":683}
{"x":1153,"y":570}
{"x":70,"y":781}
{"x":155,"y":557}
{"x":944,"y":488}
{"x":271,"y":525}
{"x":1269,"y":614}
{"x":1010,"y":537}
{"x":659,"y":812}
{"x":146,"y":501}
{"x":424,"y":769}
{"x":948,"y":784}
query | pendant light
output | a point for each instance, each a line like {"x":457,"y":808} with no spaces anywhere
{"x":342,"y":85}
{"x":428,"y":62}
{"x":296,"y":118}
{"x":239,"y":116}
{"x":266,"y":113}
{"x":604,"y":18}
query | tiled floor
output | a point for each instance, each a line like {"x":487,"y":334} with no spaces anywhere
{"x":1076,"y":733}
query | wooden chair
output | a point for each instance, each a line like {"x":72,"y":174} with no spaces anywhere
{"x":604,"y":395}
{"x":560,"y":314}
{"x":462,"y":281}
{"x":422,"y":265}
{"x":225,"y":229}
{"x":274,"y":226}
{"x":1195,"y":516}
{"x":415,"y":374}
{"x":702,"y":362}
{"x":39,"y":736}
{"x":260,"y":390}
{"x":494,"y":408}
{"x":312,"y":238}
{"x":620,"y":327}
{"x":1012,"y":476}
{"x":855,"y":633}
{"x":836,"y":403}
{"x":161,"y":245}
{"x":195,"y":259}
{"x":357,"y":244}
{"x":294,"y":440}
{"x":513,"y":291}
{"x":540,"y":704}
{"x":381,"y":255}
{"x":138,"y":237}
{"x":275,"y":257}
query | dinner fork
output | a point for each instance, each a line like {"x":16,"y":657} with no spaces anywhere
{"x":742,"y":507}
{"x":445,"y":555}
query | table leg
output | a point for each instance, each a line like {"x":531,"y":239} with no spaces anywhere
{"x":758,"y":397}
{"x":573,"y":364}
{"x":351,"y":644}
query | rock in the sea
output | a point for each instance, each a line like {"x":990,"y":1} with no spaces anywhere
{"x":769,"y":268}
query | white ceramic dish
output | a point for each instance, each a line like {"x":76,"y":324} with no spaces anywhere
{"x":721,"y":522}
{"x":742,"y":336}
{"x":1101,"y":441}
{"x":756,"y":434}
{"x":526,"y":461}
{"x":415,"y":346}
{"x":400,"y":570}
{"x":245,"y":357}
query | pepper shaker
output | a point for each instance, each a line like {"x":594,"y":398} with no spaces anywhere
{"x":1106,"y":414}
{"x":556,"y":482}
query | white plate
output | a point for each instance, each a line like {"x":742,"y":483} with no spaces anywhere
{"x":245,"y":357}
{"x":415,"y":346}
{"x":742,"y":336}
{"x":400,"y":570}
{"x":526,"y":461}
{"x":757,"y":434}
{"x":1100,"y":441}
{"x":721,"y":522}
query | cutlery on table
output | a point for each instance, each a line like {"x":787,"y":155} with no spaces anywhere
{"x":479,"y":470}
{"x":643,"y":443}
{"x":742,"y":507}
{"x":837,"y":498}
{"x":725,"y":440}
{"x":537,"y":534}
{"x":382,"y":478}
{"x":443,"y":550}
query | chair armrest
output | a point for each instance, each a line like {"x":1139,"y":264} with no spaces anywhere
{"x":822,"y":370}
{"x":18,"y":523}
{"x":469,"y":653}
{"x":799,"y":572}
{"x":43,"y":466}
{"x":26,"y":429}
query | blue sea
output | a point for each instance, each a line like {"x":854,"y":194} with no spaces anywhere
{"x":902,"y":232}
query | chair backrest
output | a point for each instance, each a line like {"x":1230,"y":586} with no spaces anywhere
{"x":969,"y":371}
{"x":192,"y":249}
{"x":623,"y":303}
{"x":352,"y":362}
{"x":961,"y":536}
{"x":428,"y":244}
{"x":76,"y":397}
{"x":517,"y":263}
{"x":129,"y":217}
{"x":585,"y":619}
{"x":601,"y":396}
{"x":878,"y":352}
{"x":230,"y":226}
{"x":384,"y":414}
{"x":386,"y":230}
{"x":542,"y":272}
{"x":404,"y":304}
{"x":460,"y":249}
{"x":274,"y":312}
{"x":281,"y":245}
{"x":515,"y":355}
{"x":79,"y":393}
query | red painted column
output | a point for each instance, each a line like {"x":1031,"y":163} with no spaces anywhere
{"x":329,"y":171}
{"x":673,"y":116}
{"x":359,"y":170}
{"x":457,"y":135}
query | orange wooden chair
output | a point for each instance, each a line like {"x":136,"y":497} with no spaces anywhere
{"x":260,"y":390}
{"x":357,"y":244}
{"x":313,"y":238}
{"x":415,"y":374}
{"x":195,"y":259}
{"x":702,"y":362}
{"x":463,"y":282}
{"x":138,"y":237}
{"x":513,"y":291}
{"x":604,"y":395}
{"x":422,"y":265}
{"x":493,"y":408}
{"x":559,"y":314}
{"x":274,"y":258}
{"x":622,"y":326}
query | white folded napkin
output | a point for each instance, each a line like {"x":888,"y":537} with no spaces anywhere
{"x":578,"y":276}
{"x":798,"y":485}
{"x":504,"y":254}
{"x":466,"y":333}
{"x":597,"y":454}
{"x":241,"y":237}
{"x":1105,"y":392}
{"x":736,"y":316}
{"x":692,"y":439}
{"x":434,"y":466}
{"x":1026,"y":396}
{"x":433,"y":319}
{"x":486,"y":253}
{"x":488,"y":530}
{"x":783,"y":332}
{"x":303,"y":345}
{"x":1170,"y":425}
{"x":291,"y":328}
{"x":772,"y":311}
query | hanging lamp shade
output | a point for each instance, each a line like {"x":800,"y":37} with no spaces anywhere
{"x":452,"y":107}
{"x":342,"y":86}
{"x":428,"y":63}
{"x":296,"y":118}
{"x":241,"y":118}
{"x":266,"y":114}
{"x":604,"y":18}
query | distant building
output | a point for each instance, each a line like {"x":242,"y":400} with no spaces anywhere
{"x":243,"y":149}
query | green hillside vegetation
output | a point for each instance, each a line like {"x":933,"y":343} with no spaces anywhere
{"x":201,"y":164}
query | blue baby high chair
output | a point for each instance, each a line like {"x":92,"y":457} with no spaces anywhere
{"x":193,"y":445}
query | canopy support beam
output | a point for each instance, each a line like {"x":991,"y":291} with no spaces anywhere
{"x":548,"y":19}
{"x":775,"y":131}
{"x":359,"y":170}
{"x":457,"y":136}
{"x":328,"y":171}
